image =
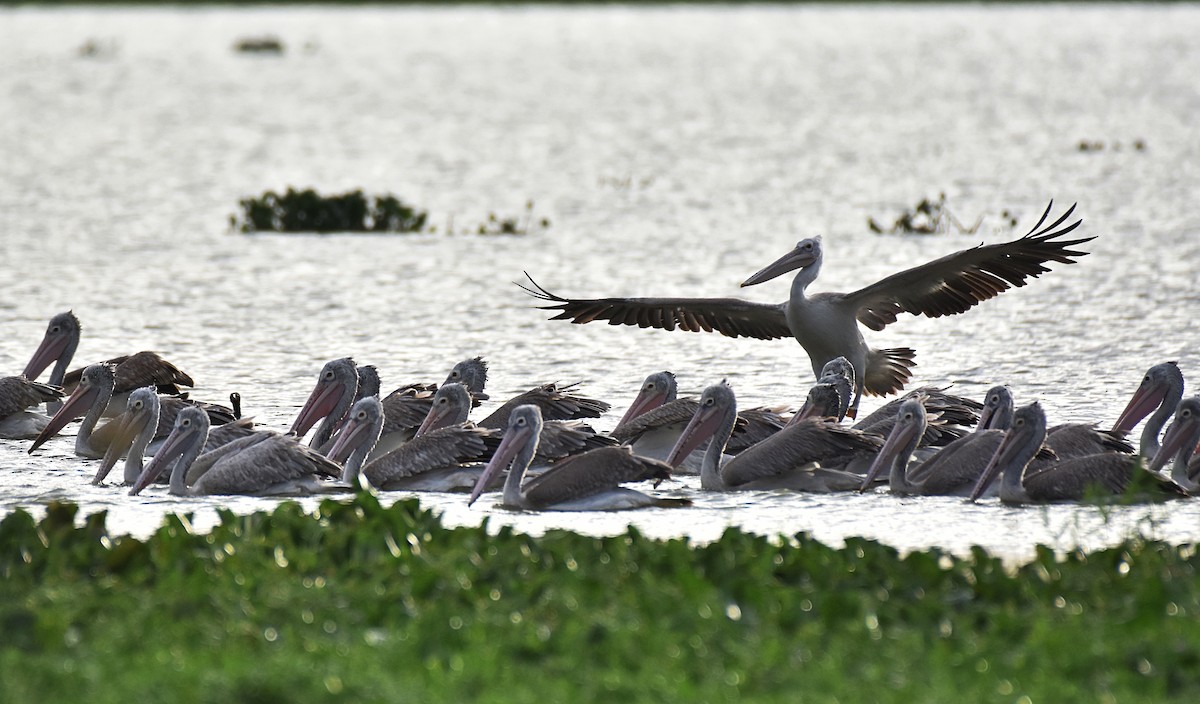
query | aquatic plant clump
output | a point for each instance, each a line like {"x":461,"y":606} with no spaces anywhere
{"x":361,"y":602}
{"x":309,"y":211}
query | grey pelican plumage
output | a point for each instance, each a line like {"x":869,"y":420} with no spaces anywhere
{"x":556,"y":402}
{"x":656,"y":418}
{"x":1160,"y":391}
{"x":328,"y":402}
{"x":590,"y":481}
{"x":840,"y":374}
{"x":261,"y":464}
{"x":1067,"y":480}
{"x":826,"y":324}
{"x":133,"y":371}
{"x":789,"y":459}
{"x":92,"y":398}
{"x":443,"y":459}
{"x":1182,"y":443}
{"x":17,"y":394}
{"x":954,"y":470}
{"x":452,"y":404}
{"x":149,"y":418}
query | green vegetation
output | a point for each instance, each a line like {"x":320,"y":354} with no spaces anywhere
{"x":358,"y":602}
{"x":308,"y":211}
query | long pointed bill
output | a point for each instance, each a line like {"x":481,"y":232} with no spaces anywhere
{"x":1003,"y":456}
{"x":1177,"y":436}
{"x":645,"y":401}
{"x":351,"y":437}
{"x":50,"y":350}
{"x":899,"y":438}
{"x":701,"y":427}
{"x":319,"y":404}
{"x":791,"y":261}
{"x":75,"y":407}
{"x":1143,"y":403}
{"x":512,"y":443}
{"x":171,"y":450}
{"x":434,"y":419}
{"x":130,"y":426}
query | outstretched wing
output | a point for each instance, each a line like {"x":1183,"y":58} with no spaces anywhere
{"x":957,"y":282}
{"x":732,"y":317}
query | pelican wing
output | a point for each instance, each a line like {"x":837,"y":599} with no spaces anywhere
{"x":731,"y":317}
{"x":556,"y":403}
{"x":957,"y":282}
{"x":437,"y":449}
{"x":270,"y":461}
{"x":137,"y":370}
{"x":407,"y":406}
{"x":795,"y":447}
{"x":18,"y":393}
{"x":580,"y":476}
{"x":561,"y":438}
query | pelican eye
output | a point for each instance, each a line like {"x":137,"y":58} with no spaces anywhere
{"x":361,"y":415}
{"x":1019,"y":421}
{"x":808,"y":246}
{"x":55,"y":329}
{"x":329,"y":376}
{"x":185,"y":422}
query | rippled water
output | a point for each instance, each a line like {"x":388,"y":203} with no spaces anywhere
{"x":675,"y":151}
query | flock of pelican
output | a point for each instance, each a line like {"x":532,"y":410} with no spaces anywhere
{"x":540,"y":452}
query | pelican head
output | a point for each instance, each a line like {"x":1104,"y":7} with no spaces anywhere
{"x":717,"y":404}
{"x":140,"y":419}
{"x":1021,"y":442}
{"x":185,"y":442}
{"x":519,"y":445}
{"x":338,"y":380}
{"x":59,"y":342}
{"x":806,"y":253}
{"x":363,"y":427}
{"x":658,"y":388}
{"x":94,"y":389}
{"x":997,"y":413}
{"x":902,"y":441}
{"x":451,"y":404}
{"x":1162,"y":382}
{"x":1184,"y":434}
{"x":471,"y":373}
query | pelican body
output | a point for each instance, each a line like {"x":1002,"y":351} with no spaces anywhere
{"x":17,"y":394}
{"x":133,"y":371}
{"x":590,"y":481}
{"x":1066,"y":480}
{"x":827,"y":324}
{"x":442,"y":459}
{"x":789,"y":459}
{"x":262,"y":464}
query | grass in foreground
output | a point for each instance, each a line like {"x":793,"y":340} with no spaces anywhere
{"x":361,"y":602}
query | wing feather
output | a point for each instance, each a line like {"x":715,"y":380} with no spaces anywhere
{"x":732,"y":317}
{"x":957,"y":282}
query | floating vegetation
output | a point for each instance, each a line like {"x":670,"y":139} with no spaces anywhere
{"x":1098,"y":145}
{"x":266,"y":44}
{"x":358,"y":601}
{"x":928,"y":217}
{"x":308,"y":211}
{"x":512,"y":225}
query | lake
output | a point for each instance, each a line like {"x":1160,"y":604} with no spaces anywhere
{"x":674,"y":151}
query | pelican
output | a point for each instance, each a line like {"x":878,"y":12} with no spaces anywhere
{"x":1067,"y":480}
{"x":132,"y":371}
{"x":262,"y":464}
{"x":143,"y":422}
{"x":18,"y":394}
{"x":656,"y":419}
{"x":445,"y":459}
{"x":954,"y":470}
{"x":1160,"y":391}
{"x":788,"y":459}
{"x":840,"y":373}
{"x":586,"y":482}
{"x":91,"y":399}
{"x":330,"y":399}
{"x":452,"y":404}
{"x":1182,"y":442}
{"x":826,"y":324}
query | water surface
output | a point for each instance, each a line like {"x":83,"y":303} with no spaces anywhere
{"x":674,"y":151}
